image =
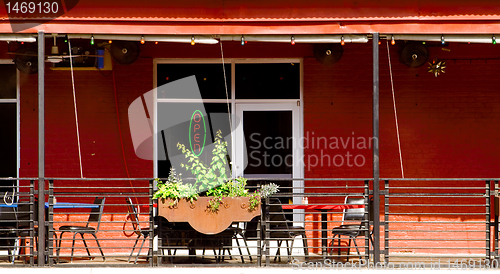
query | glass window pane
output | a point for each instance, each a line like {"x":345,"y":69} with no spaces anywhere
{"x":8,"y":144}
{"x":268,"y":81}
{"x":210,"y":80}
{"x":178,"y":123}
{"x":8,"y":80}
{"x":269,"y":145}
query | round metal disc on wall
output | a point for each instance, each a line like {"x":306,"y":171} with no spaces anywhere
{"x":328,"y":54}
{"x":125,"y":52}
{"x":26,"y":60}
{"x":414,"y":55}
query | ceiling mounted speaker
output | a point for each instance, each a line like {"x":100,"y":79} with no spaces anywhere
{"x":26,"y":60}
{"x":125,"y":52}
{"x":328,"y":54}
{"x":414,"y":55}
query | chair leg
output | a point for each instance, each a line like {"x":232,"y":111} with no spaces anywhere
{"x":98,"y":245}
{"x":235,"y":237}
{"x":133,"y":248}
{"x":58,"y":246}
{"x":73,"y":246}
{"x":85,"y":244}
{"x":138,"y":253}
{"x":357,"y":249}
{"x":246,"y":244}
{"x":306,"y":248}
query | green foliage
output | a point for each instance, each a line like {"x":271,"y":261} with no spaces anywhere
{"x":208,"y":177}
{"x":173,"y":188}
{"x":268,"y":190}
{"x":213,"y":179}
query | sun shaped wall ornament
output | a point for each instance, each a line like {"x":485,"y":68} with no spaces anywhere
{"x":437,"y":67}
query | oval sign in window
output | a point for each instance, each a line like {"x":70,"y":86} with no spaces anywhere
{"x":197,"y":133}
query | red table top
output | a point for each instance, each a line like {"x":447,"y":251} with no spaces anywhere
{"x":322,"y":207}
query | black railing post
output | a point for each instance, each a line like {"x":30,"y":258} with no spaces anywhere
{"x":32,"y":225}
{"x":488,"y":219}
{"x":267,"y":232}
{"x":151,"y":224}
{"x":496,"y":207}
{"x":366,"y":220}
{"x":376,"y":163}
{"x":41,"y":148}
{"x":50,"y":230}
{"x":386,"y":222}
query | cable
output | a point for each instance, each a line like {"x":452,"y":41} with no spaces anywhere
{"x":227,"y":99}
{"x":121,"y":136}
{"x":76,"y":110}
{"x":395,"y":112}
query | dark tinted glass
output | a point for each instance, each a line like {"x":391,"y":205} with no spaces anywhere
{"x":268,"y":81}
{"x":8,"y":82}
{"x":209,"y":78}
{"x":8,"y":143}
{"x":177,"y":124}
{"x":269,"y":144}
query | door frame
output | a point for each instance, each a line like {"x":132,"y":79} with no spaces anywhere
{"x":297,"y":148}
{"x":18,"y":116}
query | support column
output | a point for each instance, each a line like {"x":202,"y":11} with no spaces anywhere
{"x":41,"y":148}
{"x":376,"y":160}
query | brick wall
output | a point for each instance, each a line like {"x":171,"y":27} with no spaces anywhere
{"x":447,"y":124}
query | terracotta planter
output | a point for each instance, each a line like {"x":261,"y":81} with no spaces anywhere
{"x":233,"y":209}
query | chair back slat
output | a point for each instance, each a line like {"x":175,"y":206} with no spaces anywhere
{"x":134,"y":218}
{"x":96,"y":213}
{"x":354,"y":214}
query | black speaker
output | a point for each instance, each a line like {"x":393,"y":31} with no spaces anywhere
{"x":26,"y":60}
{"x":414,"y":54}
{"x":125,"y":52}
{"x":328,"y":54}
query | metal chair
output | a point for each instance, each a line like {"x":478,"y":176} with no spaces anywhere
{"x":281,"y":230}
{"x":8,"y":227}
{"x":355,"y":217}
{"x":144,"y":232}
{"x":94,"y":217}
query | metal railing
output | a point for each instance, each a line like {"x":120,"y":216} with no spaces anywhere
{"x":424,"y":221}
{"x":445,"y":221}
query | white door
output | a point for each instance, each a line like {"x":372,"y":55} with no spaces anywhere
{"x":268,"y":145}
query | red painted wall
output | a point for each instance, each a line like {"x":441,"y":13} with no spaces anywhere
{"x":447,"y":124}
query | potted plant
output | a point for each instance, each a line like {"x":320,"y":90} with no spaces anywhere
{"x":214,"y":201}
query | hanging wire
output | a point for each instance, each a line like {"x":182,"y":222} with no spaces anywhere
{"x":76,"y":110}
{"x":395,"y":111}
{"x":227,"y":96}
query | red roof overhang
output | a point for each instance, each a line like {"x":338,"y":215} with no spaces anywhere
{"x":272,"y":17}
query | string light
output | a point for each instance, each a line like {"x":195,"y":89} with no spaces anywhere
{"x":342,"y":42}
{"x":292,"y":41}
{"x":243,"y":42}
{"x":110,"y":41}
{"x":192,"y":41}
{"x":156,"y":42}
{"x":494,"y":40}
{"x":92,"y":40}
{"x":142,"y":40}
{"x":442,"y":40}
{"x":393,"y":42}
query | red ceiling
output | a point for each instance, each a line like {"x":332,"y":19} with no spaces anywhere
{"x":274,"y":16}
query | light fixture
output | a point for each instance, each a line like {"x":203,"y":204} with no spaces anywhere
{"x":55,"y":48}
{"x":393,"y":42}
{"x":243,"y":40}
{"x":192,"y":41}
{"x":494,"y":40}
{"x":142,"y":40}
{"x":92,"y":40}
{"x":342,"y":42}
{"x":110,"y":41}
{"x":292,"y":41}
{"x":156,"y":42}
{"x":442,"y":41}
